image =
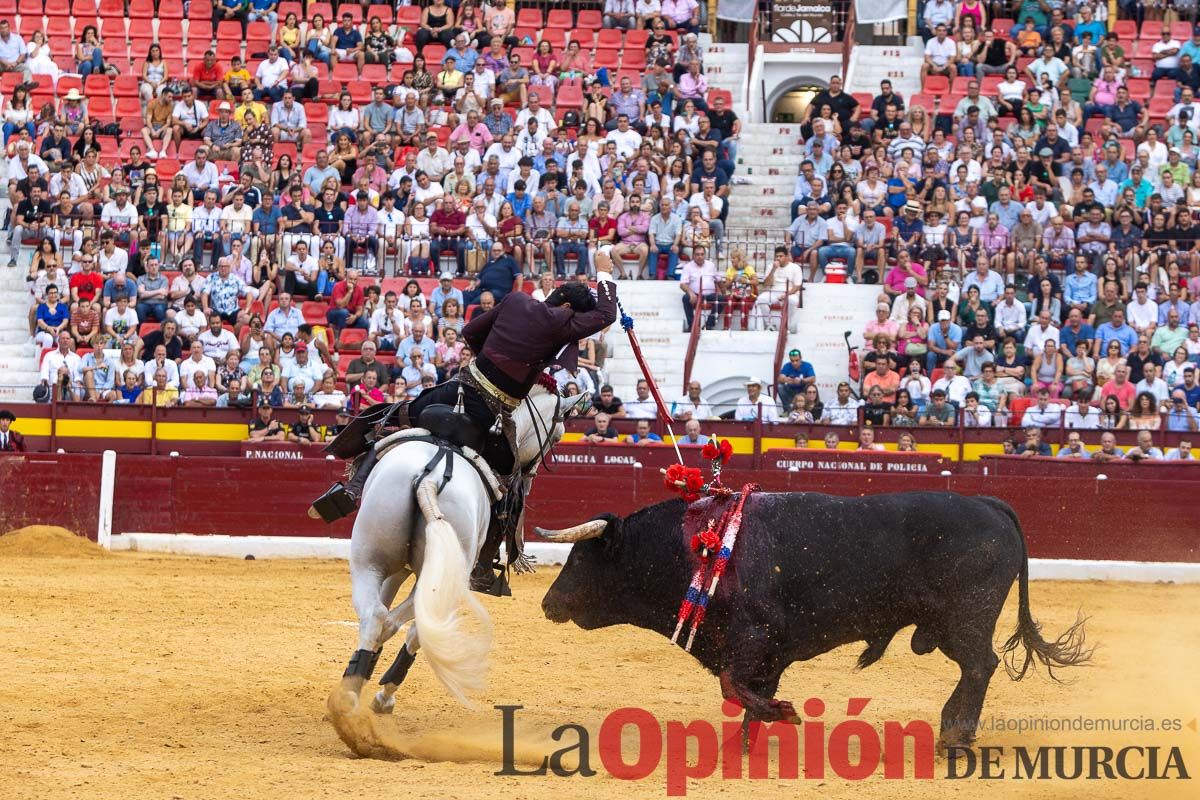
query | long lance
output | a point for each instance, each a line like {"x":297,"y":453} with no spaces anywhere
{"x":627,"y":324}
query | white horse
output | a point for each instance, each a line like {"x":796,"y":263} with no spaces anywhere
{"x":403,"y":528}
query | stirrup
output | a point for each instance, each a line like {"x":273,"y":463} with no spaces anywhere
{"x":334,"y":504}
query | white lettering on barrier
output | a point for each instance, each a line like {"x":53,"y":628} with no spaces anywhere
{"x":837,"y":465}
{"x":288,"y":455}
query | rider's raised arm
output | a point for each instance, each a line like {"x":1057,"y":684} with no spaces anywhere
{"x":585,"y":323}
{"x":476,"y":331}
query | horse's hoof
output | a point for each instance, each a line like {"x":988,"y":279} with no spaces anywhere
{"x":383,"y":704}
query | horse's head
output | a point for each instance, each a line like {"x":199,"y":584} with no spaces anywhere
{"x":539,"y":421}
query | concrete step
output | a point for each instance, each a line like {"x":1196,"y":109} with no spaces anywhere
{"x":16,"y":353}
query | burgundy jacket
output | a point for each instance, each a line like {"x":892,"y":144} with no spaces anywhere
{"x":520,"y":337}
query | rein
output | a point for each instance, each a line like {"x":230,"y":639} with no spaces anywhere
{"x":545,"y":445}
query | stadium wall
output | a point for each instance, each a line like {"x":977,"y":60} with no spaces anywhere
{"x":1068,"y":511}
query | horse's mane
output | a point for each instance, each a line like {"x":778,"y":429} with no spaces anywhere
{"x":546,"y":383}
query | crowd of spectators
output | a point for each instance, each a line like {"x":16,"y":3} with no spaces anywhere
{"x":199,"y":190}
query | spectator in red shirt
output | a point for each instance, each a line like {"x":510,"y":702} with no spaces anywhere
{"x":86,"y":285}
{"x":449,"y":227}
{"x":1119,"y":387}
{"x":207,"y":77}
{"x":347,"y":299}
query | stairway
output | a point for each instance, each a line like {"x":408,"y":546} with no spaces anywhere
{"x":18,"y":357}
{"x":725,"y":65}
{"x":769,"y":156}
{"x":657,"y":312}
{"x":901,"y":64}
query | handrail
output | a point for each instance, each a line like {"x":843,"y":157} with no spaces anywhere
{"x":781,"y":340}
{"x":848,"y":31}
{"x":753,"y":45}
{"x":693,"y":342}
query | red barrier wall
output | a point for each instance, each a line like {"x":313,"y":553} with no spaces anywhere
{"x":1143,"y":512}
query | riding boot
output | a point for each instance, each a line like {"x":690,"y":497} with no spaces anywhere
{"x":342,"y":499}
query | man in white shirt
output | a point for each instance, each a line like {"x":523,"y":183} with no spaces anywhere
{"x":272,"y":76}
{"x":160,"y":361}
{"x":1142,"y":312}
{"x":63,"y":366}
{"x":302,"y":369}
{"x":626,"y":138}
{"x":535,"y":110}
{"x":197,"y":362}
{"x":940,"y":52}
{"x":698,"y":281}
{"x":112,"y":259}
{"x":300,"y":272}
{"x":1011,"y":316}
{"x":1082,"y":416}
{"x":1042,"y":414}
{"x":953,"y":384}
{"x":188,"y":117}
{"x":748,"y":408}
{"x":692,"y":405}
{"x":844,"y":410}
{"x":387,"y":323}
{"x":215,"y":341}
{"x":644,"y":406}
{"x":201,"y":174}
{"x":781,"y":283}
{"x":434,"y":160}
{"x":1165,"y":53}
{"x":1040,"y":331}
{"x":1152,"y":384}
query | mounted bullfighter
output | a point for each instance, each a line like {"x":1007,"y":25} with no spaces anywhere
{"x":812,"y":572}
{"x":429,"y":491}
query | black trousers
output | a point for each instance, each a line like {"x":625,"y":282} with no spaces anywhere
{"x":447,"y":394}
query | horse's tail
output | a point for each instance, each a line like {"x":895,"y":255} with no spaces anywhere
{"x":456,"y":654}
{"x":1068,"y":650}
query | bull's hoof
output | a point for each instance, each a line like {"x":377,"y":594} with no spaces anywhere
{"x":784,"y":709}
{"x":383,"y":703}
{"x":953,"y":738}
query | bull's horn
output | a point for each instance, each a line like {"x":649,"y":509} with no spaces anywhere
{"x":588,"y":530}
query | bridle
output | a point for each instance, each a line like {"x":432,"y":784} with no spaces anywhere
{"x":543,"y":432}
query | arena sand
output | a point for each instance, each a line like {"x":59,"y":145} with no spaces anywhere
{"x":140,"y":676}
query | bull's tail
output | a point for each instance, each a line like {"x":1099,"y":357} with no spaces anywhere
{"x":456,"y":653}
{"x":1068,"y":650}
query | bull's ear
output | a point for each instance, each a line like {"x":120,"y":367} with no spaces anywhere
{"x":613,"y":535}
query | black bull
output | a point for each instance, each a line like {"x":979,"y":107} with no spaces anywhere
{"x":811,"y":572}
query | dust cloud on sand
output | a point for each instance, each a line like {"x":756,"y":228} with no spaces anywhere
{"x":146,"y":676}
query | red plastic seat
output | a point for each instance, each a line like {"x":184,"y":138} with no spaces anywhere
{"x":406,"y":17}
{"x":589,"y":20}
{"x":570,"y":96}
{"x":30,"y":8}
{"x":936,"y":84}
{"x":559,"y":19}
{"x":384,"y":12}
{"x":351,"y":339}
{"x":529,"y":18}
{"x":610,"y":37}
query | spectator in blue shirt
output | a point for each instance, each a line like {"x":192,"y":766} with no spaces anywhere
{"x":445,"y":291}
{"x":794,"y":377}
{"x":1181,"y":418}
{"x":643,"y":435}
{"x":1117,"y":331}
{"x":1079,"y":288}
{"x":945,"y":339}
